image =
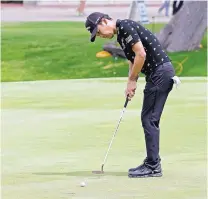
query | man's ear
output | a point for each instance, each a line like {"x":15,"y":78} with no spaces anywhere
{"x":104,"y":21}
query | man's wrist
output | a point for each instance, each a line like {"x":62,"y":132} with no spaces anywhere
{"x":133,"y":78}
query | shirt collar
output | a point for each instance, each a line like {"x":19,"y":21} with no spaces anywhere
{"x":118,"y":22}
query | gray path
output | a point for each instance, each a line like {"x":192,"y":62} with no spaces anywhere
{"x":20,"y":14}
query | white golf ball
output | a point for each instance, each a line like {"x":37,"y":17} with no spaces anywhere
{"x":82,"y":184}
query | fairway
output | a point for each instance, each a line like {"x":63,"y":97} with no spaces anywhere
{"x":54,"y":133}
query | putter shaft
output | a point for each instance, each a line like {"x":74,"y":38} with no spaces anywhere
{"x":122,"y":113}
{"x":106,"y":155}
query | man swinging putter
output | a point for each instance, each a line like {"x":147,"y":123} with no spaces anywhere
{"x":145,"y":55}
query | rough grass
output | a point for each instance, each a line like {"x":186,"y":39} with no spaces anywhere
{"x":61,"y":50}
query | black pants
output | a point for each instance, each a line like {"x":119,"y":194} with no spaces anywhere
{"x":158,"y":86}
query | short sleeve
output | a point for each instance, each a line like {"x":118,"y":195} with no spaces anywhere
{"x":129,"y":34}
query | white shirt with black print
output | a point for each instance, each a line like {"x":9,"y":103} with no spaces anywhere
{"x":129,"y":33}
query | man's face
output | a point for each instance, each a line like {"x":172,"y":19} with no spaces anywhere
{"x":105,"y":29}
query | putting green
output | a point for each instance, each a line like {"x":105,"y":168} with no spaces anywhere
{"x":54,"y":133}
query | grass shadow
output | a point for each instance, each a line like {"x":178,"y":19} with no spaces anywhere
{"x":83,"y":173}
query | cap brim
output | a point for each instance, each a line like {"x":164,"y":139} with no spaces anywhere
{"x":93,"y":34}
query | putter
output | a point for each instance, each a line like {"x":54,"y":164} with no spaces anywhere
{"x":106,"y":155}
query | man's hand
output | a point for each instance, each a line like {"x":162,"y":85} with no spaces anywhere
{"x":140,"y":56}
{"x":131,"y":89}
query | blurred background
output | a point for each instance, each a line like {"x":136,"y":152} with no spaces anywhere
{"x":67,"y":10}
{"x":63,"y":41}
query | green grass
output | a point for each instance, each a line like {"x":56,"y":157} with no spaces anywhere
{"x":61,"y":50}
{"x":54,"y":133}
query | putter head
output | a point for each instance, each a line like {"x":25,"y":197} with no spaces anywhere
{"x":99,"y":172}
{"x":102,"y":168}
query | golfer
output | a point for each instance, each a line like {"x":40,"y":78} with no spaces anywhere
{"x":145,"y":55}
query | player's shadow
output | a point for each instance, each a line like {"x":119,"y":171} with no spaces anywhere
{"x":82,"y":173}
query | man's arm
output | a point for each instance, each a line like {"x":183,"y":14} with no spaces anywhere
{"x":132,"y":39}
{"x":130,"y":67}
{"x":140,"y":56}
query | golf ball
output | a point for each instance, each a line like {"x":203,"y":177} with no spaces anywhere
{"x":82,"y":184}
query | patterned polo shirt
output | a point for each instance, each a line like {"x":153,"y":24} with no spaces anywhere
{"x":130,"y":32}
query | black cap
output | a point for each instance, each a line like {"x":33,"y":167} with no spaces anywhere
{"x":91,"y":23}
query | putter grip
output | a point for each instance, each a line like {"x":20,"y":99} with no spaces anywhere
{"x":126,"y":102}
